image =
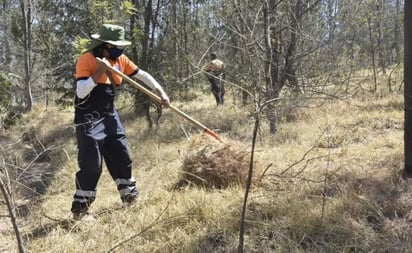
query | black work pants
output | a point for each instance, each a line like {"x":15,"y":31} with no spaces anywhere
{"x":103,"y":139}
{"x":218,"y":88}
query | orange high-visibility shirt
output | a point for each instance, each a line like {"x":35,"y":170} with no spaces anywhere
{"x":86,"y":66}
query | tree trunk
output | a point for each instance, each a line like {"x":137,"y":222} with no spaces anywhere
{"x":290,"y":61}
{"x":133,"y":26}
{"x":397,"y":34}
{"x":271,"y":79}
{"x":408,"y":86}
{"x":373,"y":53}
{"x":186,"y":17}
{"x":26,"y":26}
{"x":146,"y":35}
{"x":380,"y":37}
{"x":4,"y":41}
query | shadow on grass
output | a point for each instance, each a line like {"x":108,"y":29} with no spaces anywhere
{"x":45,"y":229}
{"x":42,"y":158}
{"x":362,"y":214}
{"x":215,"y":242}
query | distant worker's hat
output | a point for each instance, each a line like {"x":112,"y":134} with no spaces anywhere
{"x":112,"y":34}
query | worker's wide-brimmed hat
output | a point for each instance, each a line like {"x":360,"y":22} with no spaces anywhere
{"x":112,"y":34}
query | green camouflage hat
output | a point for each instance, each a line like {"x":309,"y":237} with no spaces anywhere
{"x":112,"y":34}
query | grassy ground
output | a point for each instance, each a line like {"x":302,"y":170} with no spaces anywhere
{"x":328,"y":181}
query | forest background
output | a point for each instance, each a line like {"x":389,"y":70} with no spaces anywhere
{"x":300,"y":47}
{"x":282,"y":57}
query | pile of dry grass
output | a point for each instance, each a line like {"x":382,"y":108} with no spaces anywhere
{"x":214,"y":164}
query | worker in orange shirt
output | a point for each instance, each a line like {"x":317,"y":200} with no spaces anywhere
{"x":216,"y":74}
{"x":99,"y":131}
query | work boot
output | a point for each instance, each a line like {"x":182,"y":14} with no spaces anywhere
{"x":131,"y":197}
{"x":79,"y":210}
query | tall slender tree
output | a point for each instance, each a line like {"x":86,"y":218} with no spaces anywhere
{"x":26,"y":29}
{"x":408,"y":86}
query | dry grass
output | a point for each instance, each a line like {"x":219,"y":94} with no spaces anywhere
{"x":330,"y":181}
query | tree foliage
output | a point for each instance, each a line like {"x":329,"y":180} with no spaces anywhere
{"x":274,"y":49}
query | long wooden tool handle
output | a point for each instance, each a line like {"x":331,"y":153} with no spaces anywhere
{"x":159,"y":100}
